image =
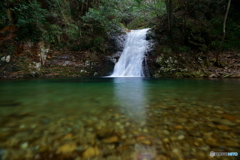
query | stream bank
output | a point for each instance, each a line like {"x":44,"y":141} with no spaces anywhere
{"x":161,"y":59}
{"x":167,"y":60}
{"x":57,"y":64}
{"x":182,"y":65}
{"x":39,"y":61}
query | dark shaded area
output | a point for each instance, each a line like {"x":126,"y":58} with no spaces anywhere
{"x":10,"y":103}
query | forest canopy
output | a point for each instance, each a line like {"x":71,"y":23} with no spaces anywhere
{"x":87,"y":24}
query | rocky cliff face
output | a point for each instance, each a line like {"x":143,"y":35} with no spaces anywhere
{"x":40,"y":60}
{"x":116,"y":46}
{"x":162,"y":61}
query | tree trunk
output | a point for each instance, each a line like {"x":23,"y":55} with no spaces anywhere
{"x":224,"y":33}
{"x":169,"y":7}
{"x":10,"y":16}
{"x":171,"y":13}
{"x":184,"y":21}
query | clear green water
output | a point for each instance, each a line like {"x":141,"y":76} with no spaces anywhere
{"x":126,"y":105}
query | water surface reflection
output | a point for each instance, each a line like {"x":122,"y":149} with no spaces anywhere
{"x":130,"y":94}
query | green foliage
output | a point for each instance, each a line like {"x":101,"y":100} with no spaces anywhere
{"x":60,"y":9}
{"x":7,"y":49}
{"x":101,"y":22}
{"x":60,"y":22}
{"x":215,"y":44}
{"x":139,"y":1}
{"x":3,"y":15}
{"x":232,"y":35}
{"x":137,"y":23}
{"x":52,"y":21}
{"x":72,"y":31}
{"x":52,"y":34}
{"x":140,"y":13}
{"x":184,"y":49}
{"x":30,"y":18}
{"x":167,"y":49}
{"x":98,"y":44}
{"x":103,"y":18}
{"x":198,"y":26}
{"x":154,"y":8}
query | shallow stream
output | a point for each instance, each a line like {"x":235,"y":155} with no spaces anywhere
{"x":119,"y":118}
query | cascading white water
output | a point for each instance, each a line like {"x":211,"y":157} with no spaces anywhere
{"x":130,"y":62}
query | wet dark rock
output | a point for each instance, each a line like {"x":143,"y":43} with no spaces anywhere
{"x":216,"y":123}
{"x":223,"y":121}
{"x":214,"y":75}
{"x":105,"y":134}
{"x":116,"y":43}
{"x":151,"y":35}
{"x":149,"y":63}
{"x":107,"y":67}
{"x":115,"y":48}
{"x":194,"y":133}
{"x":146,"y":68}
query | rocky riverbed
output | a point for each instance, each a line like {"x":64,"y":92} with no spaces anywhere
{"x":172,"y":129}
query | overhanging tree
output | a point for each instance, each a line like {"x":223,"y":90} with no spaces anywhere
{"x":224,"y":32}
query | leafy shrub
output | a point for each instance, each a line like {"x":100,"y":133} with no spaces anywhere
{"x":185,"y":49}
{"x":103,"y":18}
{"x":167,"y":49}
{"x":30,"y":18}
{"x":72,"y":31}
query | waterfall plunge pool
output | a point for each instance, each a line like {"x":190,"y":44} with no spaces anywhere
{"x":118,"y":118}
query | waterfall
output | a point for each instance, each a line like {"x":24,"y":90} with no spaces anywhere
{"x":130,"y":64}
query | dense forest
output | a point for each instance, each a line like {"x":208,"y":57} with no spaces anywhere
{"x":192,"y":38}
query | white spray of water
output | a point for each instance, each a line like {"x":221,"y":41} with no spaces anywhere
{"x":130,"y":62}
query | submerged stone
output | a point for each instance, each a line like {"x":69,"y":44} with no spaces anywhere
{"x":230,"y":117}
{"x":212,"y":142}
{"x":224,"y":121}
{"x":112,"y":139}
{"x":24,"y":145}
{"x":181,"y":137}
{"x":178,"y":127}
{"x":90,"y":152}
{"x":223,"y":127}
{"x":231,"y":143}
{"x":85,"y":130}
{"x":67,"y":148}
